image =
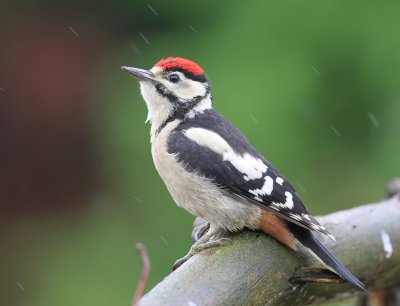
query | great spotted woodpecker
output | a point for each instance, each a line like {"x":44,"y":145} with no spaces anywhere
{"x":212,"y":170}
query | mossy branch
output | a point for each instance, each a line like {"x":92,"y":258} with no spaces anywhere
{"x":256,"y":270}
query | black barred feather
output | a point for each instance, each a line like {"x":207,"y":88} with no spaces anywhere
{"x":205,"y":161}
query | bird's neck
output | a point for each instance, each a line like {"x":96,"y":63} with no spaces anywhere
{"x":168,"y":113}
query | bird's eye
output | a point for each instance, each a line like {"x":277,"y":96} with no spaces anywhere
{"x":174,"y":78}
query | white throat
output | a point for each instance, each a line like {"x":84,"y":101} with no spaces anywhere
{"x":158,"y":106}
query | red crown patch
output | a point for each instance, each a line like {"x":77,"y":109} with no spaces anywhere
{"x":182,"y":63}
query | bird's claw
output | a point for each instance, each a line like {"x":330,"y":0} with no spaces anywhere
{"x":200,"y":230}
{"x":198,"y":247}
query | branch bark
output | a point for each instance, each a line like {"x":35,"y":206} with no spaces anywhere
{"x":256,"y":270}
{"x":144,"y":257}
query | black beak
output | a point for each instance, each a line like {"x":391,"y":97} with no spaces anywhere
{"x":140,"y":74}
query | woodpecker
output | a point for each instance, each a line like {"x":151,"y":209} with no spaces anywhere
{"x":212,"y":170}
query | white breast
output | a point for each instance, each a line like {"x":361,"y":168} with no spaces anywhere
{"x":197,"y":194}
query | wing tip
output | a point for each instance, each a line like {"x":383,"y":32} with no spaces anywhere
{"x":330,"y":235}
{"x":308,"y":240}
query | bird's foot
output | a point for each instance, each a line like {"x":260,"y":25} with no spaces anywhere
{"x":213,"y":238}
{"x":201,"y":227}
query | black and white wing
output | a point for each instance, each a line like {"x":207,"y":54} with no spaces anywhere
{"x":210,"y":145}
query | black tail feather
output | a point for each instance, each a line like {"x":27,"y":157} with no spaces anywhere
{"x":308,"y":240}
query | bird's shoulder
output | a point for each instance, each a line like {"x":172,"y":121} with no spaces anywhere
{"x":209,"y":121}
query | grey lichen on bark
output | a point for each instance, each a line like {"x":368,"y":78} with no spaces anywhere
{"x":257,"y":270}
{"x":386,"y":296}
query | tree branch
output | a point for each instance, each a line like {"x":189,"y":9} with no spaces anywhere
{"x":256,"y":270}
{"x":144,"y":257}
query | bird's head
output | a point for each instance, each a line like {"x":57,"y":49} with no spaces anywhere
{"x":173,"y":89}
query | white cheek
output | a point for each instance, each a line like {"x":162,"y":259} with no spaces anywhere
{"x":191,"y":89}
{"x":186,"y":89}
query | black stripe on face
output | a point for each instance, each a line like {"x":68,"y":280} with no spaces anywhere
{"x":162,"y":90}
{"x":181,"y":108}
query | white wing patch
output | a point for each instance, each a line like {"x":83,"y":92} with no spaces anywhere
{"x":252,"y":167}
{"x":279,"y":180}
{"x":288,"y":204}
{"x":208,"y":139}
{"x":289,"y":200}
{"x":266,"y":188}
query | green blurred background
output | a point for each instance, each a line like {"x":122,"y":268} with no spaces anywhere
{"x":313,"y":84}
